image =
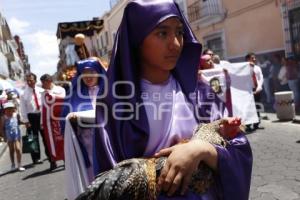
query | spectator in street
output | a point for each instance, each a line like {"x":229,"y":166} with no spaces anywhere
{"x":267,"y":68}
{"x":282,"y":76}
{"x":30,"y":108}
{"x":292,"y":71}
{"x":13,"y":135}
{"x":13,"y":96}
{"x":56,"y":92}
{"x":162,"y":57}
{"x":275,"y":82}
{"x":257,"y":79}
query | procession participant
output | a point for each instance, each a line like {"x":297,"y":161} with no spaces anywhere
{"x":257,"y":85}
{"x":206,"y":62}
{"x":52,"y":95}
{"x":87,"y":85}
{"x":162,"y":58}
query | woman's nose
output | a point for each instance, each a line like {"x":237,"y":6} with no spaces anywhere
{"x":175,"y":42}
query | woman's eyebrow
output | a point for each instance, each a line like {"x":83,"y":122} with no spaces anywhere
{"x":162,"y":26}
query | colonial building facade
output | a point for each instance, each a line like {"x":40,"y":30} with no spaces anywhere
{"x":269,"y":28}
{"x":11,"y":61}
{"x":233,"y":28}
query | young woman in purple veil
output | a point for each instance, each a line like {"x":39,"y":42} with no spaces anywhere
{"x":154,"y":101}
{"x":86,"y":86}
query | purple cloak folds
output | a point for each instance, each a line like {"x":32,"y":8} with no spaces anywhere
{"x":116,"y":140}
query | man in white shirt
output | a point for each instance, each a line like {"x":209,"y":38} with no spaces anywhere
{"x":56,"y":92}
{"x":30,"y":110}
{"x":258,"y":80}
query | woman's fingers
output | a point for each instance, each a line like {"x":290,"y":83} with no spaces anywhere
{"x":185,"y":183}
{"x":164,"y":152}
{"x":163,"y":175}
{"x":176,"y":184}
{"x":168,"y":181}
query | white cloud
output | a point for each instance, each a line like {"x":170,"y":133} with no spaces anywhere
{"x":42,"y":48}
{"x":43,"y":43}
{"x":18,"y":26}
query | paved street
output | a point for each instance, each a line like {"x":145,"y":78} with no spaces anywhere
{"x":36,"y":183}
{"x":276,"y":170}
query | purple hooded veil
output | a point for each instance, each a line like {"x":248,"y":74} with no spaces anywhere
{"x":116,"y":140}
{"x":75,"y":99}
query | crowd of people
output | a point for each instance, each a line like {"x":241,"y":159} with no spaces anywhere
{"x":164,"y":57}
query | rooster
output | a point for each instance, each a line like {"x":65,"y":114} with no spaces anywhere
{"x":136,"y":178}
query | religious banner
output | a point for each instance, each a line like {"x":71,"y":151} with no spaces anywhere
{"x":51,"y":112}
{"x":219,"y":80}
{"x":233,"y":84}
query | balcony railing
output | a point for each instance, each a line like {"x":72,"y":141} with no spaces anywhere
{"x":205,"y":10}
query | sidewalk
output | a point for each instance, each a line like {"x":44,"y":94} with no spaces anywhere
{"x":272,"y":117}
{"x":3,"y":147}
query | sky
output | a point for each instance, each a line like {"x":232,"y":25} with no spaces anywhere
{"x":35,"y":21}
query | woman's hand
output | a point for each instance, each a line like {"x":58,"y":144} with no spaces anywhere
{"x":73,"y":117}
{"x":183,"y":160}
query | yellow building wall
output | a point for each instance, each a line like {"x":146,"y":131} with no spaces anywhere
{"x":249,"y":25}
{"x":258,"y":30}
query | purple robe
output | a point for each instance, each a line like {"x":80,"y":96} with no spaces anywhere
{"x":116,"y":140}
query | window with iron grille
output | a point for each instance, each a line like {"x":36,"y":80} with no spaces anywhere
{"x":294,"y":18}
{"x":216,"y":44}
{"x":205,"y":10}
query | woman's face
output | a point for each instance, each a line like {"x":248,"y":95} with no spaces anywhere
{"x":161,"y":49}
{"x":207,"y":64}
{"x":90,"y":77}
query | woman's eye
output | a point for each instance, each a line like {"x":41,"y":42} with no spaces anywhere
{"x":179,"y":33}
{"x":162,"y":34}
